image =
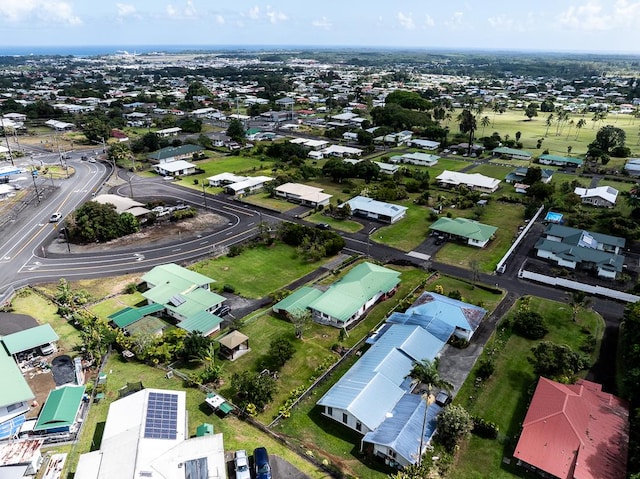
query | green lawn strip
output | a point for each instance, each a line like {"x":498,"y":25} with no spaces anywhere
{"x":470,"y":293}
{"x":493,"y":171}
{"x":559,"y":178}
{"x":407,"y":233}
{"x":257,"y":271}
{"x":505,"y":396}
{"x":341,"y":191}
{"x":112,"y":305}
{"x":342,"y":225}
{"x":45,"y":312}
{"x":265,"y":200}
{"x":237,"y":434}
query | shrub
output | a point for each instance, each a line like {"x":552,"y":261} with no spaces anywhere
{"x":234,"y":250}
{"x":131,"y":288}
{"x":485,"y":429}
{"x":486,"y":368}
{"x":227,"y":288}
{"x":529,"y":324}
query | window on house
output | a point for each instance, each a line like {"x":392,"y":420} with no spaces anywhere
{"x":391,"y":453}
{"x":358,"y":426}
{"x":344,"y":418}
{"x":329,"y":410}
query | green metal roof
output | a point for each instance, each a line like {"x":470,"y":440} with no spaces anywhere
{"x":14,"y":386}
{"x":130,"y":315}
{"x":202,"y":321}
{"x":172,"y":273}
{"x":561,"y":159}
{"x":503,"y":150}
{"x":465,"y":228}
{"x":29,"y":338}
{"x":345,"y":297}
{"x":298,"y":300}
{"x":61,"y":408}
{"x":171,"y":151}
{"x":204,"y":429}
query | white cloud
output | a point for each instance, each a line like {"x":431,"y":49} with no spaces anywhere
{"x":595,"y":16}
{"x":254,"y":13}
{"x":455,"y":21}
{"x":220,"y":20}
{"x":42,"y":11}
{"x":125,"y":10}
{"x":188,"y":11}
{"x":406,"y":21}
{"x":428,"y":21}
{"x":501,"y":21}
{"x":275,"y":17}
{"x":322,"y":23}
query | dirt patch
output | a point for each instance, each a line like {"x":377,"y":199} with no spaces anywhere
{"x":161,"y":233}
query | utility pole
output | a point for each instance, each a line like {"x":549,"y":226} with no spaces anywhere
{"x":34,"y":175}
{"x":204,"y":195}
{"x":7,"y":141}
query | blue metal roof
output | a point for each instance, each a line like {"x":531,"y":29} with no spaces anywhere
{"x":373,"y":386}
{"x":402,"y":428}
{"x":456,"y":313}
{"x":437,"y":327}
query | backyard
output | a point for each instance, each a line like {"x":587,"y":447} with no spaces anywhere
{"x":504,"y":397}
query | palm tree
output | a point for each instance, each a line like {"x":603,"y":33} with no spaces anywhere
{"x":549,"y":121}
{"x":579,"y":125}
{"x":496,"y":109}
{"x":467,"y":122}
{"x":578,"y":301}
{"x":426,"y":372}
{"x":484,"y":121}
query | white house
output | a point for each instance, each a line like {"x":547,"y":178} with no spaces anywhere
{"x":604,"y":196}
{"x":425,"y":144}
{"x":249,"y":185}
{"x":377,"y":210}
{"x":223,"y":179}
{"x":303,"y":194}
{"x":175,"y":168}
{"x":417,"y":158}
{"x":475,"y":181}
{"x":167,"y":132}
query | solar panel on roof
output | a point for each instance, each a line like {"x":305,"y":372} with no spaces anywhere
{"x":177,"y":300}
{"x":161,"y":421}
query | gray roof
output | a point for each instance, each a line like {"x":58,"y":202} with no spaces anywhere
{"x":580,"y":254}
{"x":573,"y":235}
{"x":363,"y":203}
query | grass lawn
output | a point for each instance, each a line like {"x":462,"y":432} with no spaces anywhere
{"x":265,"y":200}
{"x":470,"y":294}
{"x":258,"y":271}
{"x":32,"y":304}
{"x":506,"y":216}
{"x":237,"y":434}
{"x":342,"y":225}
{"x":504,"y":397}
{"x":494,"y":171}
{"x":112,"y":305}
{"x":407,"y":233}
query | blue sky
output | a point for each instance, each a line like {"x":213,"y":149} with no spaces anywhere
{"x":548,"y":25}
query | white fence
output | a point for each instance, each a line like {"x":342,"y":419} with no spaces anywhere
{"x":502,"y":265}
{"x":587,"y":288}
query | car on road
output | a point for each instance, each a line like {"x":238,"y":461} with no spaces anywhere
{"x":241,"y":464}
{"x":261,"y":463}
{"x":439,"y":240}
{"x":222,"y":310}
{"x":323,"y":226}
{"x":92,"y":160}
{"x":55,"y":217}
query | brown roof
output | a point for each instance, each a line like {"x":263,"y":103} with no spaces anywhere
{"x":575,"y":431}
{"x":233,"y":339}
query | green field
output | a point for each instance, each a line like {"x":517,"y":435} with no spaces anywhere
{"x":504,"y":397}
{"x":407,"y":233}
{"x":257,"y":271}
{"x":342,"y":225}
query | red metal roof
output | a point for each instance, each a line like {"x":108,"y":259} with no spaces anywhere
{"x":575,"y":431}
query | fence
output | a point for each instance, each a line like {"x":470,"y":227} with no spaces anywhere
{"x":502,"y":266}
{"x":587,"y":288}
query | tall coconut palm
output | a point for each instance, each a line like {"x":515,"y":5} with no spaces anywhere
{"x":484,"y":121}
{"x":426,"y":372}
{"x":579,"y":125}
{"x":468,"y":124}
{"x":549,"y":121}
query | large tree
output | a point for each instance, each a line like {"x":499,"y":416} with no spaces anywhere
{"x":607,"y":139}
{"x":468,"y":125}
{"x":236,"y":131}
{"x":94,"y":221}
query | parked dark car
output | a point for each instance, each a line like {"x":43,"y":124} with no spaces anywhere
{"x":439,"y":240}
{"x":222,"y":310}
{"x":323,"y":226}
{"x":261,"y":463}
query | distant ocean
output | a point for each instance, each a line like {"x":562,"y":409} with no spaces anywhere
{"x":94,"y":50}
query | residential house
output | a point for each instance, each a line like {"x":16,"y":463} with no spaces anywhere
{"x":223,"y":179}
{"x":602,"y":196}
{"x":511,"y":153}
{"x":563,"y":161}
{"x":15,"y":395}
{"x":146,"y":435}
{"x":297,"y":301}
{"x":133,"y":319}
{"x":123,"y":204}
{"x":59,"y":125}
{"x":574,"y":431}
{"x":417,"y":158}
{"x":21,"y":459}
{"x":474,"y":233}
{"x":387,"y":168}
{"x":174,"y":153}
{"x":377,"y":210}
{"x":348,"y":299}
{"x":167,"y":132}
{"x":519,"y":174}
{"x":249,"y":185}
{"x":61,"y":412}
{"x":303,"y":194}
{"x":185,"y":296}
{"x":425,"y":144}
{"x":632,"y":166}
{"x":175,"y":168}
{"x":474,"y":181}
{"x":578,"y":249}
{"x":340,"y":151}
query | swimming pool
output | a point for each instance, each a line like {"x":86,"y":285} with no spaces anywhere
{"x":554,"y":217}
